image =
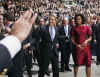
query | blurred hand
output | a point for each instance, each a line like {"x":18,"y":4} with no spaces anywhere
{"x":80,"y":46}
{"x":57,"y":45}
{"x":23,"y":25}
{"x":30,"y":52}
{"x":85,"y":43}
{"x":26,"y":46}
{"x":95,"y":41}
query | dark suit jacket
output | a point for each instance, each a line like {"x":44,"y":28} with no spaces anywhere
{"x":48,"y":47}
{"x":19,"y":59}
{"x":64,"y":40}
{"x":47,"y":43}
{"x":93,"y":27}
{"x":30,"y":40}
{"x":5,"y":57}
{"x":97,"y":33}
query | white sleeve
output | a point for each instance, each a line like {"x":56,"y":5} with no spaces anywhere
{"x":12,"y":43}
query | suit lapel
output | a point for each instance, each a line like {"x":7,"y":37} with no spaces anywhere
{"x":55,"y":32}
{"x":69,"y":28}
{"x":49,"y":37}
{"x":63,"y":30}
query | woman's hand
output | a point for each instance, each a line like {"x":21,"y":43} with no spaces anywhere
{"x":80,"y":46}
{"x":85,"y":43}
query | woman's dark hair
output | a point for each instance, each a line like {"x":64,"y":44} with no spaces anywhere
{"x":82,"y":16}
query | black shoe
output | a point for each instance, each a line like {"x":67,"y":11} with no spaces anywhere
{"x":68,"y":69}
{"x":47,"y":73}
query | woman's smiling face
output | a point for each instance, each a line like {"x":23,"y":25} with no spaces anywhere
{"x":79,"y":20}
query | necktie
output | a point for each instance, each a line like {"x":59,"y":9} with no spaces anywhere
{"x":66,"y":31}
{"x":51,"y":33}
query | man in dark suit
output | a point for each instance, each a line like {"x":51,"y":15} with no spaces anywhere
{"x":49,"y":36}
{"x":65,"y":45}
{"x":97,"y":37}
{"x":1,"y":27}
{"x":24,"y":57}
{"x":28,"y":55}
{"x":30,"y":46}
{"x":42,"y":26}
{"x":11,"y":44}
{"x":16,"y":69}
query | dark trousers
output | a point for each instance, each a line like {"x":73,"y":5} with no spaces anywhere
{"x":55,"y":67}
{"x":98,"y":52}
{"x":65,"y":56}
{"x":93,"y":48}
{"x":28,"y":62}
{"x":36,"y":56}
{"x":15,"y":73}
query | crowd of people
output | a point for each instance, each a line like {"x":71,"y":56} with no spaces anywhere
{"x":58,"y":28}
{"x":87,"y":7}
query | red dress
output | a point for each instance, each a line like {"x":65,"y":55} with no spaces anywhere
{"x":81,"y":56}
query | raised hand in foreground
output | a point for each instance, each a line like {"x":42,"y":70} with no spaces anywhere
{"x":23,"y":25}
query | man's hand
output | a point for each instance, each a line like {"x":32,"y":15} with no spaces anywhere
{"x":23,"y":25}
{"x":57,"y":45}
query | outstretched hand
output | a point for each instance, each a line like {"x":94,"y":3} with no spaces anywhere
{"x":23,"y":25}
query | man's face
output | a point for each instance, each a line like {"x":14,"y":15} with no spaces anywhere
{"x":66,"y":21}
{"x":88,"y":20}
{"x":41,"y":21}
{"x":52,"y":21}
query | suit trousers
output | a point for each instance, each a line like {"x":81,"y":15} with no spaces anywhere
{"x":53,"y":59}
{"x":65,"y":56}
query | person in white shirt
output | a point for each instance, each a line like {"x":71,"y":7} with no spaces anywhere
{"x":11,"y":44}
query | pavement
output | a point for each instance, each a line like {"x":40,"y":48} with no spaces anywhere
{"x":95,"y":70}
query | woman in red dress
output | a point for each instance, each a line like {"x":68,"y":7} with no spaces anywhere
{"x":81,"y":36}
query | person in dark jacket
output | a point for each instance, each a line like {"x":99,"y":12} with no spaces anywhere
{"x":11,"y":44}
{"x":49,"y":36}
{"x":97,"y":36}
{"x":65,"y":45}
